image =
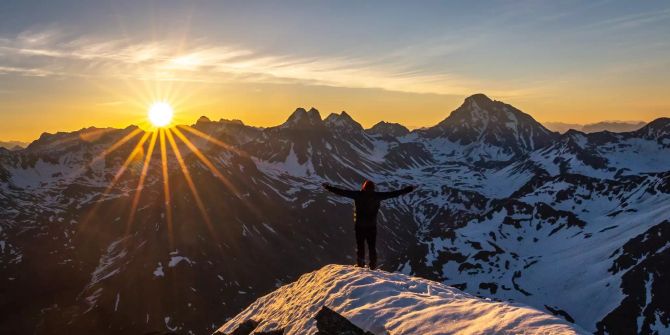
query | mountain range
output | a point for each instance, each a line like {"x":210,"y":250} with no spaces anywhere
{"x":13,"y":145}
{"x":574,"y":224}
{"x":611,"y":126}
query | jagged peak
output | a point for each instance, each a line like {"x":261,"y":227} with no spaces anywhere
{"x":342,"y":121}
{"x":232,"y":121}
{"x":301,"y":118}
{"x":388,"y":128}
{"x":203,"y":119}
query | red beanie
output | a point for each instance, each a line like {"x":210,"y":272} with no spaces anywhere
{"x":368,"y":185}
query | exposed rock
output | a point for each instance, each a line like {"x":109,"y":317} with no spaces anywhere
{"x":245,"y":328}
{"x":342,"y":122}
{"x":330,"y":322}
{"x":388,"y":129}
{"x":271,"y":332}
{"x":302,"y":119}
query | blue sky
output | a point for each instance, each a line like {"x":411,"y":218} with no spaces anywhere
{"x":570,"y":61}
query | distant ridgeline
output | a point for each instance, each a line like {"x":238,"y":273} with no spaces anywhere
{"x":13,"y":145}
{"x":572,"y":224}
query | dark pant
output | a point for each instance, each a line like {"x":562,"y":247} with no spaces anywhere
{"x":366,"y":234}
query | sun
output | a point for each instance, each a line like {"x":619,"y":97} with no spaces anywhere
{"x":160,"y":114}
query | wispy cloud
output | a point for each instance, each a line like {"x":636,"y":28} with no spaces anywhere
{"x":29,"y":72}
{"x":51,"y":53}
{"x":632,"y":20}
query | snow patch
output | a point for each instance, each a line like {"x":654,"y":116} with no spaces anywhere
{"x":159,"y":270}
{"x":178,"y":259}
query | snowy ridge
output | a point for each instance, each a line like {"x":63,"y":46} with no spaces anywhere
{"x":391,"y":303}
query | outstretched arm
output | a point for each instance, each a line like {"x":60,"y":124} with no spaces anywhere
{"x":339,"y":191}
{"x":393,"y":194}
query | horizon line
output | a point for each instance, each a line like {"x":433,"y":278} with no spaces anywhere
{"x":410,"y":128}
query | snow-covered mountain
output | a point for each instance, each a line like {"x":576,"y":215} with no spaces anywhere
{"x":606,"y":155}
{"x":572,"y":224}
{"x":485,"y":130}
{"x":390,"y":303}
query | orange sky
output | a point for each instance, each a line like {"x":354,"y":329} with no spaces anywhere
{"x":70,"y":64}
{"x":270,"y":104}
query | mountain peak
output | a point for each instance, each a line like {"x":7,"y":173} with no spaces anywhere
{"x":427,"y":307}
{"x":206,"y":124}
{"x":479,"y":98}
{"x":655,"y":129}
{"x":342,"y":121}
{"x":388,"y":129}
{"x":485,"y":125}
{"x":302,"y":119}
{"x":573,"y":133}
{"x":203,"y":119}
{"x":237,"y":122}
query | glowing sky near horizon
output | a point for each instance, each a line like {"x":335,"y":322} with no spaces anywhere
{"x":65,"y":65}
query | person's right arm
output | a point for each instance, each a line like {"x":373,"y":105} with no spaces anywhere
{"x":342,"y":192}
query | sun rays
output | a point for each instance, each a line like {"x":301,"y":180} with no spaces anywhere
{"x":140,"y":183}
{"x":166,"y":188}
{"x":158,"y":149}
{"x":190,"y":183}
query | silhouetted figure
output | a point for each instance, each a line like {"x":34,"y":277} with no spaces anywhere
{"x":365,"y":216}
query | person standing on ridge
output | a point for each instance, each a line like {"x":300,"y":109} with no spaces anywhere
{"x":366,"y":206}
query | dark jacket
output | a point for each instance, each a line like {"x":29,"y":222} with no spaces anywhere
{"x":367,"y":203}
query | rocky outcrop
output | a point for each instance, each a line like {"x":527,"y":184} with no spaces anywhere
{"x":330,"y":322}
